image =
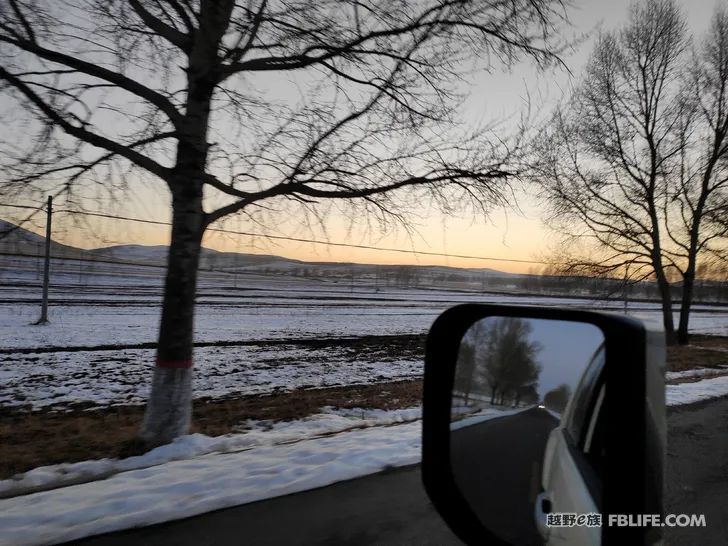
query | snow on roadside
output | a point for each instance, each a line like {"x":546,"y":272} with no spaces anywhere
{"x":485,"y":414}
{"x":180,"y":489}
{"x":260,"y":433}
{"x":197,"y":474}
{"x":265,"y":433}
{"x":697,"y":372}
{"x":689,"y":393}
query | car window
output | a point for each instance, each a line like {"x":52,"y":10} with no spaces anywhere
{"x":578,"y":420}
{"x":594,"y":445}
{"x":585,"y":425}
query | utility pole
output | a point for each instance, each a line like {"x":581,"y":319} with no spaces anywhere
{"x":47,"y":265}
{"x":37,"y":263}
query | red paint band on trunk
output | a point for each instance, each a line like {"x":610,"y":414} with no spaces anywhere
{"x":174,"y":363}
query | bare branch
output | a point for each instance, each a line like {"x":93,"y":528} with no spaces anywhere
{"x":81,"y":132}
{"x":97,"y":71}
{"x":169,"y":33}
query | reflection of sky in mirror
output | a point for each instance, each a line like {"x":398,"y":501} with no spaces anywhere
{"x":566,"y":349}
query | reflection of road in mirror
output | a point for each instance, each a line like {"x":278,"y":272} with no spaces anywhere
{"x":514,"y":378}
{"x":497,"y":466}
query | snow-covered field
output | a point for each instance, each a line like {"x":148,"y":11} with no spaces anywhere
{"x":96,"y":350}
{"x":246,"y":318}
{"x":254,"y":336}
{"x":261,"y":308}
{"x":64,"y":379}
{"x":197,"y":474}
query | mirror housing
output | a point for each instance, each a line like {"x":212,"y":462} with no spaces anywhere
{"x":633,"y":399}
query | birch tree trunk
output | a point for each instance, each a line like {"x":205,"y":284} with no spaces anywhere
{"x":169,"y":409}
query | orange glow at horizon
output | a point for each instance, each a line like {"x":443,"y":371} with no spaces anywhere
{"x":506,"y":237}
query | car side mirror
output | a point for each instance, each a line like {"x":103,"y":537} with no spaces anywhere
{"x":539,"y":424}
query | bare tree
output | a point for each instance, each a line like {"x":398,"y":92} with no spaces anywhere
{"x":506,"y":357}
{"x":557,"y":398}
{"x":266,"y":108}
{"x":497,"y":357}
{"x":632,"y":164}
{"x":702,"y":192}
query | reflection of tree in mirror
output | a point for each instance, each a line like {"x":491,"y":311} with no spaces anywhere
{"x":527,"y":395}
{"x":557,"y":398}
{"x":464,"y":371}
{"x":497,"y":361}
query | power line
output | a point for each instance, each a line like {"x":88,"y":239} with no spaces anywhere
{"x":284,"y":238}
{"x":383,"y":249}
{"x":27,"y":207}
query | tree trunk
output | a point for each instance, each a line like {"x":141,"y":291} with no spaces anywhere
{"x":665,"y":289}
{"x":169,"y":409}
{"x":668,"y":321}
{"x":685,"y":304}
{"x":689,"y":275}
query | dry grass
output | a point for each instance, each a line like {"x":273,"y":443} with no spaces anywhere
{"x":29,"y":440}
{"x":703,"y":351}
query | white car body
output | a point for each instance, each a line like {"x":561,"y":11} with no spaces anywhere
{"x":564,"y":488}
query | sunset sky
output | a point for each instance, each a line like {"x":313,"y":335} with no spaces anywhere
{"x":517,"y":235}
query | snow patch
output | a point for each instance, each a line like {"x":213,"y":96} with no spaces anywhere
{"x":184,"y":488}
{"x":697,"y":372}
{"x":261,"y":433}
{"x":689,"y":393}
{"x":484,"y":415}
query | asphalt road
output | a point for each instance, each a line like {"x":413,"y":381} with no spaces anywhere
{"x":506,"y":453}
{"x":392,"y":509}
{"x":697,"y":472}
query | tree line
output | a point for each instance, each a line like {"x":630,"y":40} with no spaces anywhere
{"x":497,"y":360}
{"x":498,"y":364}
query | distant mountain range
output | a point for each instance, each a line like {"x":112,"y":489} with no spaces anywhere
{"x":209,"y":256}
{"x":17,"y":239}
{"x":14,"y":239}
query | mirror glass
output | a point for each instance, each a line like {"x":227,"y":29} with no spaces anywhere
{"x":525,"y":424}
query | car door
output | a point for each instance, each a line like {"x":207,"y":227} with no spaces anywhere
{"x":573,"y":461}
